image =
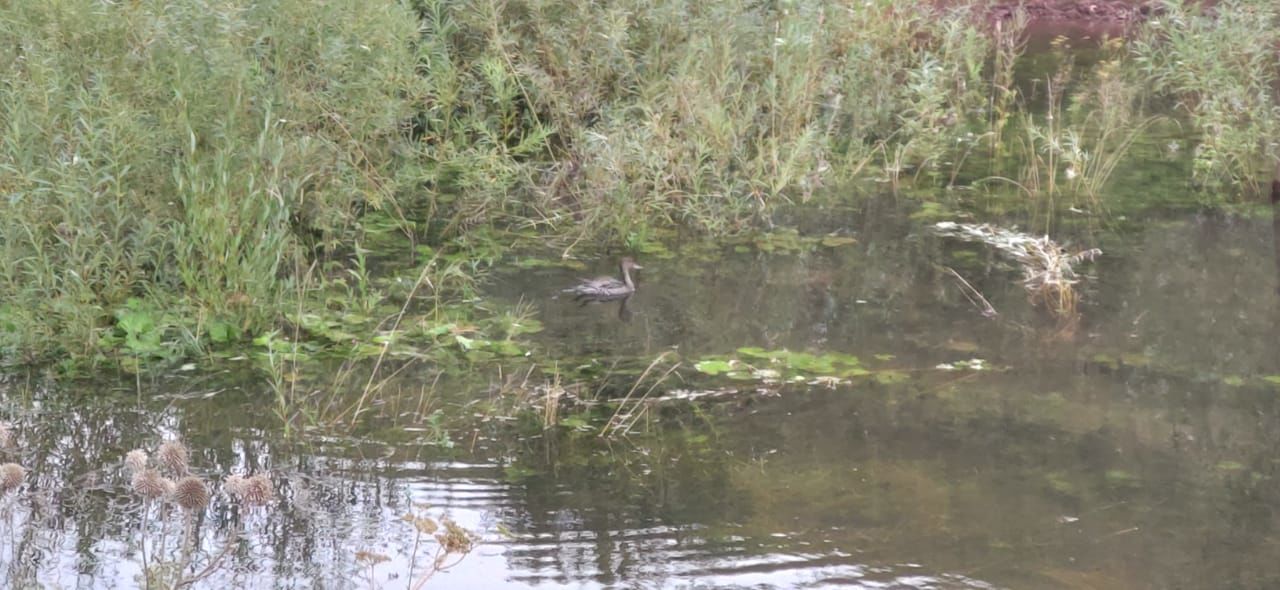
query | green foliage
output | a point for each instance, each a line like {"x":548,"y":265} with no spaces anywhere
{"x":753,"y":363}
{"x":641,"y":113}
{"x":187,"y":155}
{"x":1221,"y":68}
{"x":245,"y":168}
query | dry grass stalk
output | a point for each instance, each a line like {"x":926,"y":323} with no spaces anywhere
{"x":1048,"y":270}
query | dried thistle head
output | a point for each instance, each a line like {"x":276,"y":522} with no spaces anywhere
{"x":191,"y":494}
{"x":11,"y":476}
{"x":149,"y":484}
{"x":250,"y":491}
{"x":235,"y":485}
{"x":258,"y":490}
{"x":173,"y":456}
{"x":136,"y":460}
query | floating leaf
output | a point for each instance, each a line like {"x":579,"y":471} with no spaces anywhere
{"x":713,"y":367}
{"x":756,"y":352}
{"x":221,"y":332}
{"x":506,"y":348}
{"x":524,"y":326}
{"x":1059,"y":482}
{"x":814,"y":364}
{"x":1121,"y":478}
{"x":1106,"y":360}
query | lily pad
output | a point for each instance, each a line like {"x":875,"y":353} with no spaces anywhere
{"x":756,"y":352}
{"x":713,"y":367}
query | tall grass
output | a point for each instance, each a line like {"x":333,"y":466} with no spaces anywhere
{"x":169,"y":169}
{"x":187,"y":154}
{"x":1090,"y":121}
{"x":707,"y":114}
{"x":1220,"y":65}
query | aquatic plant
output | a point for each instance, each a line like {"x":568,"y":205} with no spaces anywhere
{"x":626,"y":416}
{"x":1090,"y":122}
{"x":1048,"y":270}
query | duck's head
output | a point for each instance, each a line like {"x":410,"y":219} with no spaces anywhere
{"x":629,"y":263}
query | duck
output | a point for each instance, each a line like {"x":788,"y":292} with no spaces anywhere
{"x":606,"y":288}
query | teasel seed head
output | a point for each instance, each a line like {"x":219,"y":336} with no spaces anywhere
{"x":191,"y":494}
{"x":149,"y":484}
{"x":174,"y":457}
{"x":136,"y":461}
{"x":235,"y":485}
{"x":258,"y":490}
{"x":11,"y":476}
{"x":250,"y":491}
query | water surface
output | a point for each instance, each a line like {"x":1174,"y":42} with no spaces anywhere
{"x":1137,"y":453}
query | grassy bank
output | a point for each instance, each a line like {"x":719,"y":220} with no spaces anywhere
{"x":172,"y":173}
{"x":184,"y":176}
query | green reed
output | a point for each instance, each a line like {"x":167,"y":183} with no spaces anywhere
{"x":187,"y":155}
{"x":1220,"y":67}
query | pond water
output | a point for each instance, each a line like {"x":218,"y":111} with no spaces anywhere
{"x":1138,"y":453}
{"x":1139,"y":450}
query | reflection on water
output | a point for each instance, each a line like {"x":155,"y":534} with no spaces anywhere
{"x":1141,"y":454}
